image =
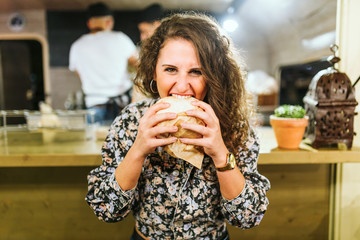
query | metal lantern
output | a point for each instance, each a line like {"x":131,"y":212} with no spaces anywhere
{"x":330,"y":105}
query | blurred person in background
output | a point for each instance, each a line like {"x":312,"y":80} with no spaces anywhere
{"x":149,"y":20}
{"x":100,"y":58}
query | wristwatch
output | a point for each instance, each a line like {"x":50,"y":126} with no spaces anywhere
{"x":230,"y":163}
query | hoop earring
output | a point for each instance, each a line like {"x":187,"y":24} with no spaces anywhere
{"x":151,"y":86}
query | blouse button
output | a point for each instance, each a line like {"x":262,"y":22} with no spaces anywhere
{"x":175,"y":173}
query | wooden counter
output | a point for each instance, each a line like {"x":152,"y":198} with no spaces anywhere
{"x":49,"y":148}
{"x":270,"y":154}
{"x":43,"y":185}
{"x":66,"y":149}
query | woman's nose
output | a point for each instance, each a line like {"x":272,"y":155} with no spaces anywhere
{"x":182,"y":84}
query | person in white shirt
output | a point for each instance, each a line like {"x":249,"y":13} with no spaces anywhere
{"x":100,"y":58}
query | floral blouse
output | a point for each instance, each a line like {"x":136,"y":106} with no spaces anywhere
{"x":173,"y":199}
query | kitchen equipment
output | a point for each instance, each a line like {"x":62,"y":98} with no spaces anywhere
{"x":330,"y":104}
{"x":54,"y":126}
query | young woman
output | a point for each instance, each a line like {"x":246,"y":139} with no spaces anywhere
{"x":170,"y":198}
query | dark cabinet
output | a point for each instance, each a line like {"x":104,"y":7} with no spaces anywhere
{"x":21,"y":74}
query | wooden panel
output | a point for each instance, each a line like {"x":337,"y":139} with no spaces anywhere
{"x":48,"y":203}
{"x":347,"y":211}
{"x":299,"y":204}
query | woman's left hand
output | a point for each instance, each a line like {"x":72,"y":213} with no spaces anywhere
{"x":211,"y":140}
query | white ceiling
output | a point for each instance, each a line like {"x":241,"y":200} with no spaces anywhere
{"x":265,"y":15}
{"x":276,"y":28}
{"x":216,"y":6}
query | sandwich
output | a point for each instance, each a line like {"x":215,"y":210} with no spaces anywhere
{"x":190,"y":153}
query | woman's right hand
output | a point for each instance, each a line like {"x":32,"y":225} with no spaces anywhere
{"x":146,"y":140}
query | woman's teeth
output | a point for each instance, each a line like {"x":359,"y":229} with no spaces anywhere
{"x":180,"y":96}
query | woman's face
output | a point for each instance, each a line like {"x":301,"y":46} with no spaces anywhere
{"x":178,"y":70}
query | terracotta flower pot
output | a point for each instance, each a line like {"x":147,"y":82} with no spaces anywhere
{"x":288,"y":131}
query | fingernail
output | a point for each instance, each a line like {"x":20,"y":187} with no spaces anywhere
{"x":174,"y":128}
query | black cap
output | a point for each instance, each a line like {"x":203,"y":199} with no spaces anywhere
{"x":152,"y":13}
{"x":98,"y":9}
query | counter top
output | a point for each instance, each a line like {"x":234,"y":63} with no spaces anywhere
{"x":49,"y":147}
{"x":54,"y":149}
{"x":271,"y":154}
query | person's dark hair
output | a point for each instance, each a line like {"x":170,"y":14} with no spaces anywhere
{"x":223,"y":71}
{"x":152,"y":13}
{"x":98,"y":9}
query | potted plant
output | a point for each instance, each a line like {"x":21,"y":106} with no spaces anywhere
{"x":289,"y":123}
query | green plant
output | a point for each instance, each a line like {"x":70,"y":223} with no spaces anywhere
{"x":289,"y":111}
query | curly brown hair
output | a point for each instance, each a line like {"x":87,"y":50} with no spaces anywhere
{"x":220,"y":65}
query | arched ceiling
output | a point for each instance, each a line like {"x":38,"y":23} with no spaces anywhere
{"x":216,"y":6}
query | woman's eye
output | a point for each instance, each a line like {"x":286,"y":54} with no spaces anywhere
{"x":169,"y":69}
{"x":196,"y":72}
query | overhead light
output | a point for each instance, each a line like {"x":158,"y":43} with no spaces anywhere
{"x":230,"y":10}
{"x":230,"y":24}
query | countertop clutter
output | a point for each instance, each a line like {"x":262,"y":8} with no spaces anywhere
{"x":61,"y":147}
{"x":53,"y":138}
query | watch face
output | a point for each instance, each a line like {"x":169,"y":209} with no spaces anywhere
{"x":231,"y":163}
{"x":16,"y":22}
{"x":232,"y":160}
